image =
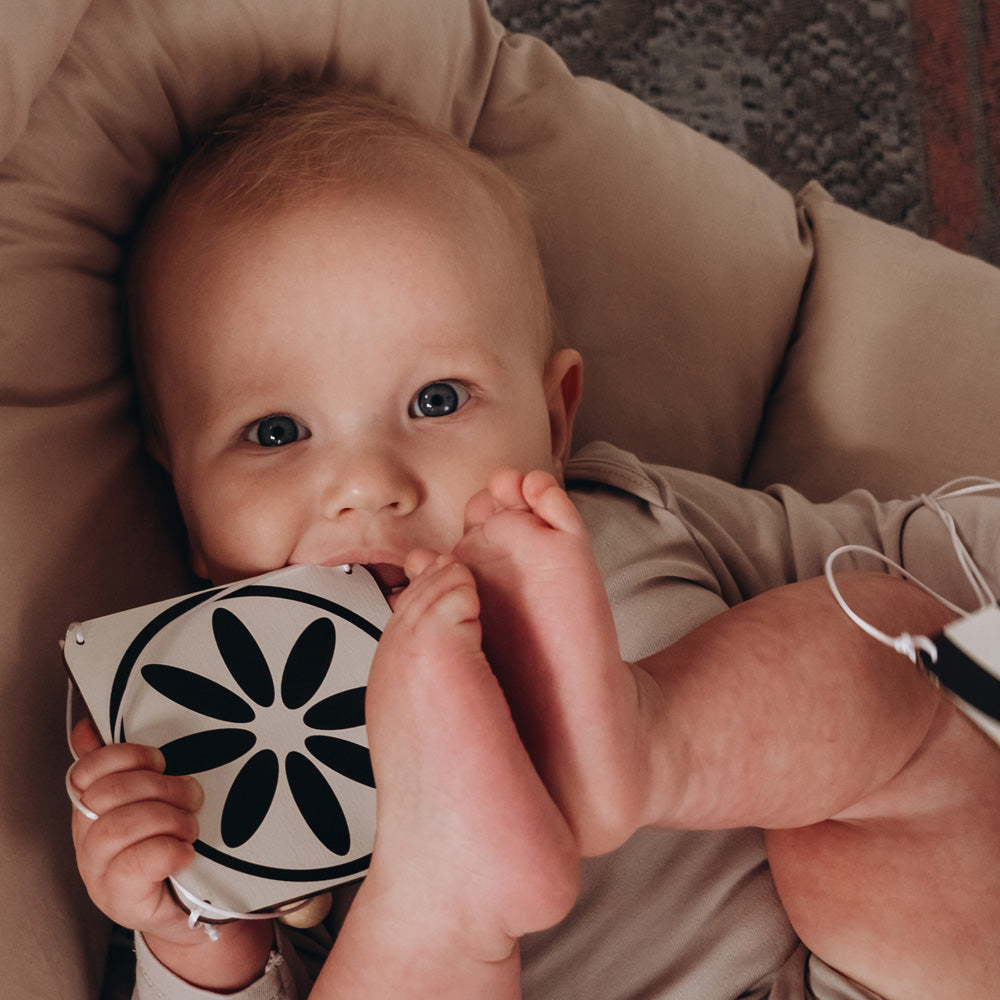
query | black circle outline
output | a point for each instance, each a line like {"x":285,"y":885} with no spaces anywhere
{"x":146,"y":635}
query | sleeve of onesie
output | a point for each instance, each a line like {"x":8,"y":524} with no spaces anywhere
{"x":153,"y":981}
{"x":734,"y":541}
{"x":677,"y":547}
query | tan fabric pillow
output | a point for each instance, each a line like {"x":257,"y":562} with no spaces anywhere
{"x":674,"y":266}
{"x":892,"y":381}
{"x":33,"y":39}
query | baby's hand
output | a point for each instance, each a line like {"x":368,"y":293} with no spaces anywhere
{"x":144,"y":831}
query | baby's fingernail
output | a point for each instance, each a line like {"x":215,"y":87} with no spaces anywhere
{"x":159,"y":760}
{"x":197,"y":792}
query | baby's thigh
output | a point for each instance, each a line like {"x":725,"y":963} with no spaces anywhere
{"x":904,"y":897}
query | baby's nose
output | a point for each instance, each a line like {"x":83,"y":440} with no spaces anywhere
{"x":370,"y":484}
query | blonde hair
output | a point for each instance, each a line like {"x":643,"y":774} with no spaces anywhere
{"x":287,"y":145}
{"x":293,"y":144}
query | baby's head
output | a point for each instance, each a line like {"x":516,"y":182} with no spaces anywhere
{"x":341,"y":328}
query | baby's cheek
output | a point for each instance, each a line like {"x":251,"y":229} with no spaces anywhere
{"x":242,"y":539}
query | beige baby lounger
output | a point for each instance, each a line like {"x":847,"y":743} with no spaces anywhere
{"x":727,"y":326}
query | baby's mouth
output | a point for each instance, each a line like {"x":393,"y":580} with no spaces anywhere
{"x":390,"y":578}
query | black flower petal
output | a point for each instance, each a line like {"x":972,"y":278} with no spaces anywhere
{"x":198,"y":693}
{"x":349,"y":759}
{"x":308,"y":663}
{"x":340,"y":711}
{"x":249,"y":798}
{"x":207,"y":750}
{"x":243,"y":657}
{"x":317,"y":803}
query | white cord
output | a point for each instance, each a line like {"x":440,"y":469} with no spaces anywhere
{"x":977,"y":581}
{"x":198,"y":909}
{"x":74,"y":795}
{"x":904,"y":643}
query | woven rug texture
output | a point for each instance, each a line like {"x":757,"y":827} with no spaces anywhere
{"x":893,"y":105}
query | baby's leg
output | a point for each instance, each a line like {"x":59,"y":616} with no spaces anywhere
{"x":551,"y":640}
{"x":902,"y":892}
{"x":470,"y":850}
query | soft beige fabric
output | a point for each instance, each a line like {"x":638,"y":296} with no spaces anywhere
{"x":675,"y":267}
{"x":892,"y":381}
{"x":35,"y":35}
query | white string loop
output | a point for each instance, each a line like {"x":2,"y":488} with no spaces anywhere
{"x":906,"y":644}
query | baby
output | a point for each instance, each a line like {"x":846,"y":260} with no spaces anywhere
{"x":346,"y":355}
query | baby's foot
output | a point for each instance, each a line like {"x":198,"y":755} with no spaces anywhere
{"x":551,"y":640}
{"x":465,"y":827}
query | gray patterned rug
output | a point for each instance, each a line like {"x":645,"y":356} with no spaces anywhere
{"x":837,"y":90}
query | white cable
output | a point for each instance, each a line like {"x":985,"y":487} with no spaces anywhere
{"x":977,"y":484}
{"x":977,"y":581}
{"x":904,"y":643}
{"x":199,"y":909}
{"x":74,"y":795}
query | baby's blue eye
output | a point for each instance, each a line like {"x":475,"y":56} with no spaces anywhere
{"x":439,"y":399}
{"x":273,"y":432}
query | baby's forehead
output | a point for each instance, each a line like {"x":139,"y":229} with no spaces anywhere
{"x":216,"y":205}
{"x":443,"y":217}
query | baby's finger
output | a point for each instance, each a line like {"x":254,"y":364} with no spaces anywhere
{"x":84,"y":738}
{"x":132,"y":888}
{"x":122,"y":788}
{"x":121,"y":832}
{"x":147,"y":863}
{"x":114,"y":758}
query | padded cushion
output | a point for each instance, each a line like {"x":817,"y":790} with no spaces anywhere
{"x":892,"y":380}
{"x":675,"y":267}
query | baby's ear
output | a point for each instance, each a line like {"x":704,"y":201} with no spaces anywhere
{"x":563,"y":379}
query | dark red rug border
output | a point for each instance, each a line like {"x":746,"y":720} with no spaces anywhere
{"x":946,"y":120}
{"x":989,"y":58}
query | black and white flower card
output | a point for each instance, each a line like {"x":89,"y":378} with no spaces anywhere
{"x":258,"y":690}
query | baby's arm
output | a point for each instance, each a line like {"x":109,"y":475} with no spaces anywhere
{"x":144,"y":832}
